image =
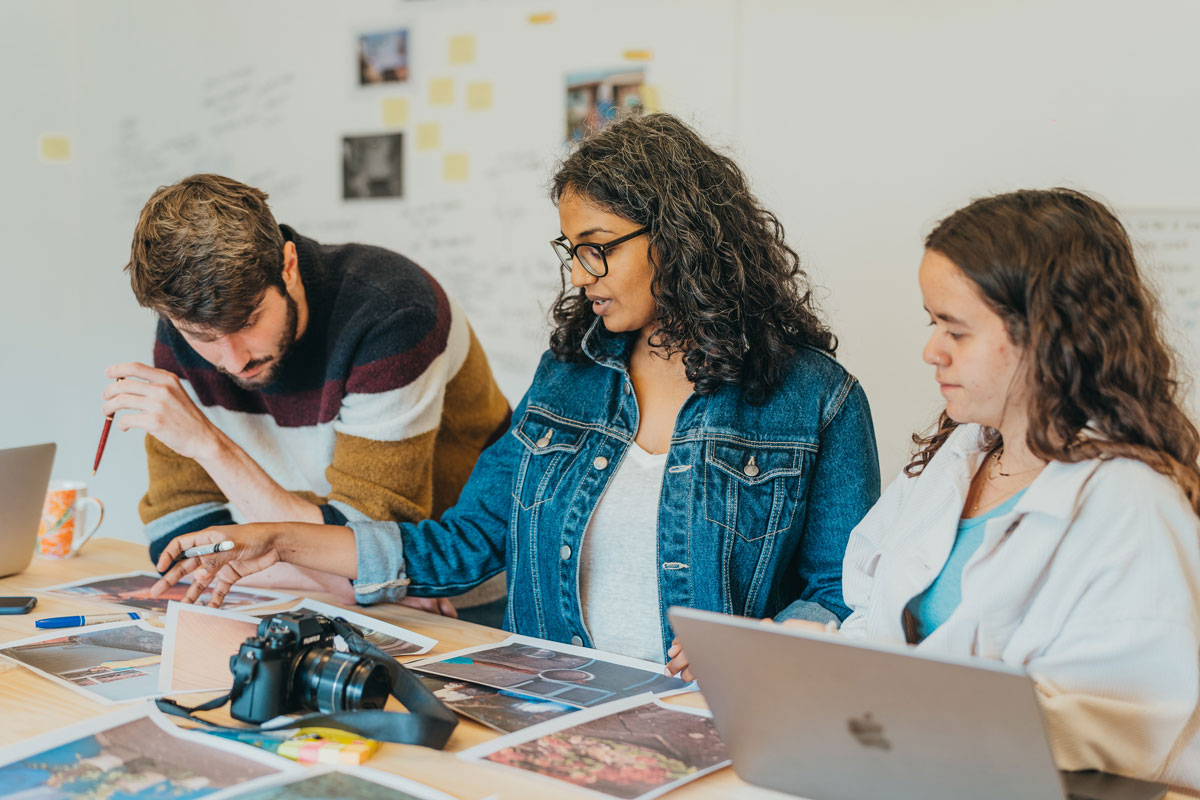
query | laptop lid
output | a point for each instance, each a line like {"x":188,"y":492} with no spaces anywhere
{"x":828,"y":719}
{"x":24,"y":476}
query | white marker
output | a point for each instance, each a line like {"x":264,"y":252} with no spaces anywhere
{"x":207,"y":549}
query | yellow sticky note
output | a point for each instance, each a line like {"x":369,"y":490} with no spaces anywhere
{"x":479,"y":96}
{"x":638,"y":55}
{"x":429,"y":136}
{"x":462,"y":49}
{"x":441,"y":91}
{"x":455,"y":166}
{"x":544,"y":18}
{"x":650,"y":102}
{"x":55,"y":148}
{"x":395,"y":112}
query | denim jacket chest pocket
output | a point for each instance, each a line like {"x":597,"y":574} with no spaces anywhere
{"x":752,"y":489}
{"x":550,"y":446}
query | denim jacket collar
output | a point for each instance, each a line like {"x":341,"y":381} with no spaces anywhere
{"x":607,"y":349}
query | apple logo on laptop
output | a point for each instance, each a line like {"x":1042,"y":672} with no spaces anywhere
{"x":868,"y":732}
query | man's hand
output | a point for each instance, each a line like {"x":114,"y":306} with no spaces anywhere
{"x":434,"y":605}
{"x":163,"y":408}
{"x":254,"y":550}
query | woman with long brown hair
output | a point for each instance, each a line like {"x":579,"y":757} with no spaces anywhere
{"x":1050,"y":520}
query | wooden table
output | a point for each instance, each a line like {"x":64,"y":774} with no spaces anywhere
{"x":32,"y":705}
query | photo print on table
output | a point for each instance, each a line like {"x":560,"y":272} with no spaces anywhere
{"x":633,"y":749}
{"x":361,"y":784}
{"x":132,"y":589}
{"x":575,"y":676}
{"x":112,"y":663}
{"x":497,"y":709}
{"x":133,"y":755}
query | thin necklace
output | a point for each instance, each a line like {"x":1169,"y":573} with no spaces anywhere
{"x":996,"y":468}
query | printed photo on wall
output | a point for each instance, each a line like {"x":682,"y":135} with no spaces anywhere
{"x":594,"y":99}
{"x":133,"y":589}
{"x":499,"y":710}
{"x":383,"y":57}
{"x":575,"y":676}
{"x":133,"y":754}
{"x":635,"y":748}
{"x":373,"y":166}
{"x":111,"y":663}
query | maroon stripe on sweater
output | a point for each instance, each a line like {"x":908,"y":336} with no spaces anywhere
{"x":402,"y":369}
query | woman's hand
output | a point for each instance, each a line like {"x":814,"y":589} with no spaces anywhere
{"x":255,"y":549}
{"x":678,"y":665}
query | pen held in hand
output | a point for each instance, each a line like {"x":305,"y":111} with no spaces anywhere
{"x":108,"y":421}
{"x":207,"y":549}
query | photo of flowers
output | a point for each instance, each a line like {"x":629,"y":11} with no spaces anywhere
{"x":499,"y":710}
{"x":634,"y":750}
{"x":111,"y":663}
{"x":128,"y":756}
{"x":133,"y":589}
{"x":571,"y":675}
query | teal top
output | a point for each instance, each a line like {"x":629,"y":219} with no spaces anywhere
{"x":934,"y":606}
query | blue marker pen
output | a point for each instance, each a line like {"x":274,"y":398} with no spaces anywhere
{"x":90,"y":619}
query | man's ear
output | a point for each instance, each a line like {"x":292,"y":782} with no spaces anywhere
{"x":291,"y":264}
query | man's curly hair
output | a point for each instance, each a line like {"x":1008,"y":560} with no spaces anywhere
{"x":729,"y":293}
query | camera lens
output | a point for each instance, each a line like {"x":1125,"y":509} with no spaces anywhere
{"x":330,"y":681}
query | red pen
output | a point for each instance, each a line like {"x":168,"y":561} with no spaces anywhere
{"x":103,"y":441}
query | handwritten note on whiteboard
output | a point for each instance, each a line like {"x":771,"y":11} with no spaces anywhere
{"x":1168,"y":247}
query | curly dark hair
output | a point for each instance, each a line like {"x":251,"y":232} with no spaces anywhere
{"x":1058,"y":268}
{"x":729,"y":293}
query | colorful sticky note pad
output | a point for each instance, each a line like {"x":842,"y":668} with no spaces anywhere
{"x":544,"y":18}
{"x":479,"y":96}
{"x":395,"y":112}
{"x":455,"y":166}
{"x":638,"y":55}
{"x":441,"y":91}
{"x":429,"y":136}
{"x":55,"y":148}
{"x":462,"y":49}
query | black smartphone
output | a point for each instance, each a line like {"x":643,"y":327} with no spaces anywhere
{"x":17,"y":605}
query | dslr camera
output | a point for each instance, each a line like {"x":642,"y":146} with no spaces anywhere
{"x":292,"y":664}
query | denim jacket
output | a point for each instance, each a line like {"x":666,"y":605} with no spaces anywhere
{"x":756,"y":507}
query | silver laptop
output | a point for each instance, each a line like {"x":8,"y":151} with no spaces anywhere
{"x":827,"y":719}
{"x":24,"y":476}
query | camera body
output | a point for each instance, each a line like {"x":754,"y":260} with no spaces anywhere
{"x":292,"y":664}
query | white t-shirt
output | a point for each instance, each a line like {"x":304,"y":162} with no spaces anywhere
{"x":618,"y":577}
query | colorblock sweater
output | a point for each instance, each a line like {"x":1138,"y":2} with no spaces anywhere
{"x":378,"y":411}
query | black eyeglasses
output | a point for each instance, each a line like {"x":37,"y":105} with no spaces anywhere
{"x":591,"y":256}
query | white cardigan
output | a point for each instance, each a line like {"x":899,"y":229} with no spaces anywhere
{"x":1103,"y":613}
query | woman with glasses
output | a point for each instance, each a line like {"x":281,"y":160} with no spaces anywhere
{"x":688,"y":440}
{"x":1050,"y":519}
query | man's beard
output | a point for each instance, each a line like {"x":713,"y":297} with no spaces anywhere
{"x":286,"y":340}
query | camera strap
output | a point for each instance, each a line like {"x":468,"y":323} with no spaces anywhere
{"x":428,"y":721}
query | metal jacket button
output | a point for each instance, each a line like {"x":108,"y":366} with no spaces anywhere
{"x":565,"y":552}
{"x":600,"y":463}
{"x":751,"y":468}
{"x":545,"y":440}
{"x":578,"y":642}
